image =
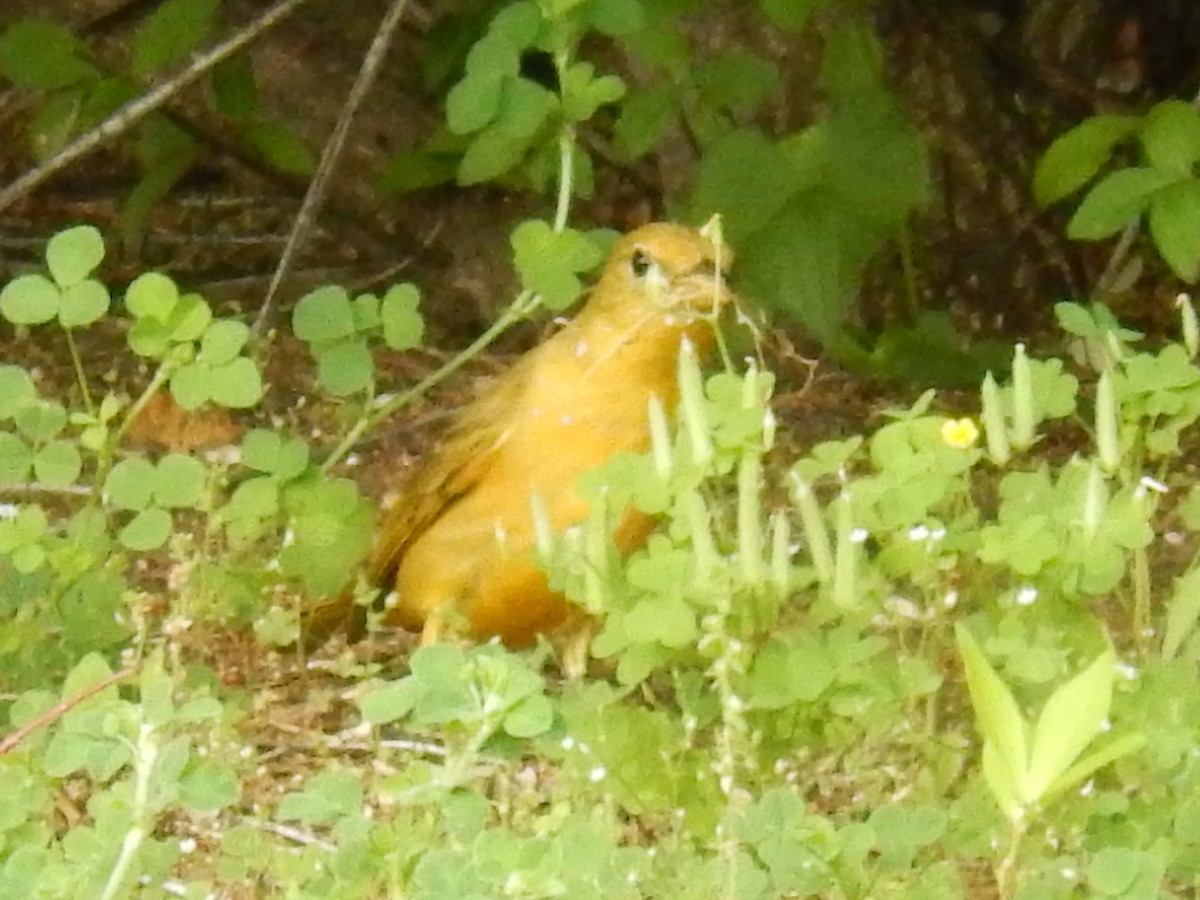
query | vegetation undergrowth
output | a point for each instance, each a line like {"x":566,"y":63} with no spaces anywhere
{"x":783,"y":714}
{"x":943,"y":659}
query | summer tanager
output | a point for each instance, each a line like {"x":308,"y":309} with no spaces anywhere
{"x":458,"y":545}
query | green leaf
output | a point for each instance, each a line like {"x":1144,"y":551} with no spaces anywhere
{"x":130,"y":484}
{"x":737,"y":79}
{"x":83,"y":303}
{"x":745,"y":177}
{"x":236,"y":384}
{"x":209,"y":787}
{"x":16,"y":391}
{"x":1175,"y":227}
{"x":57,"y":465}
{"x":996,"y":710}
{"x":323,"y":315}
{"x":365,"y":308}
{"x":269,"y":452}
{"x":345,"y":367}
{"x":583,"y":93}
{"x":645,"y":117}
{"x":16,"y":459}
{"x":30,"y":300}
{"x":171,"y":32}
{"x":549,"y":261}
{"x":326,"y":797}
{"x":1183,"y":612}
{"x":1115,"y":202}
{"x":1170,"y":136}
{"x":403,"y":326}
{"x":390,"y":702}
{"x":615,"y":18}
{"x":1076,"y":157}
{"x":282,"y":148}
{"x":73,"y":255}
{"x":790,"y":15}
{"x":490,"y":155}
{"x":524,"y":108}
{"x":223,"y":340}
{"x":190,"y":318}
{"x":473,"y":103}
{"x":148,"y":530}
{"x":531,"y":717}
{"x":179,"y":481}
{"x":191,"y":386}
{"x":152,"y":296}
{"x":1070,"y":720}
{"x":234,"y":91}
{"x":42,"y":56}
{"x":254,"y":498}
{"x":41,"y":420}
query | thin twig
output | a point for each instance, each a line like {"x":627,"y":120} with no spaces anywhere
{"x":59,"y":710}
{"x":369,"y":71}
{"x":136,"y":110}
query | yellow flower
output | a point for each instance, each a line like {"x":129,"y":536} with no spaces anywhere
{"x":960,"y":433}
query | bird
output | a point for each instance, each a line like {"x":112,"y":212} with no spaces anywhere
{"x":456,"y":551}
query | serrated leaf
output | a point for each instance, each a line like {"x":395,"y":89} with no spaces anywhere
{"x":645,"y":117}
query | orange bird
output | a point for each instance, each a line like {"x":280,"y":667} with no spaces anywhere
{"x":458,"y":546}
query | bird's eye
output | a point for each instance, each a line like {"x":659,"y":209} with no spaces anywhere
{"x":640,"y":264}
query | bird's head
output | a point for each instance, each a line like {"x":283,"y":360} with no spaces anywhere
{"x":669,"y":269}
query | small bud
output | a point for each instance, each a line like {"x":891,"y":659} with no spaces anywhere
{"x":1024,"y":414}
{"x":1191,"y":328}
{"x":660,"y":438}
{"x":692,"y":404}
{"x":993,"y":422}
{"x":815,"y":533}
{"x":1108,"y":443}
{"x":749,"y":518}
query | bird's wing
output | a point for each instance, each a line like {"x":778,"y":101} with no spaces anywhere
{"x":448,"y":473}
{"x":451,"y":471}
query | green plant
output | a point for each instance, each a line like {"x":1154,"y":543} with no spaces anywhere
{"x":1161,"y":185}
{"x":77,"y":89}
